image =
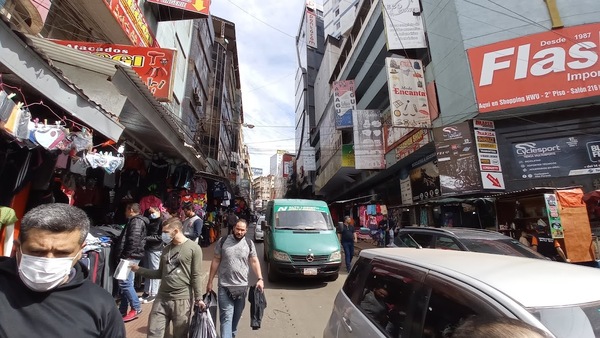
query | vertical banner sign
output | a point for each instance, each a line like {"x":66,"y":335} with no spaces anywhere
{"x":311,"y":29}
{"x":457,"y":159}
{"x":557,"y":65}
{"x":308,"y":159}
{"x":155,"y":66}
{"x":408,"y":95}
{"x":406,"y":191}
{"x":556,"y":228}
{"x":488,"y":155}
{"x":344,"y":103}
{"x":368,"y":140}
{"x":403,"y":29}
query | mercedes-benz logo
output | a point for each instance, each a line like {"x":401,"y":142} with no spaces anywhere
{"x":310,"y":258}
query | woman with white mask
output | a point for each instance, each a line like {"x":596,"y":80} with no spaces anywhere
{"x":153,"y":248}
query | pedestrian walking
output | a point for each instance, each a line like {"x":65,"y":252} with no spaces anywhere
{"x":181,"y":282}
{"x":192,"y":224}
{"x":153,"y":251}
{"x":232,"y":261}
{"x":348,"y":237}
{"x":130,"y":246}
{"x":44,"y":291}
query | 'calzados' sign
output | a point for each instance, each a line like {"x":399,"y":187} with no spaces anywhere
{"x":552,"y":66}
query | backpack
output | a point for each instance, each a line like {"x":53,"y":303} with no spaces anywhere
{"x":223,"y":239}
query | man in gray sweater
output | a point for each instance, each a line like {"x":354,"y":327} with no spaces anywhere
{"x":180,"y":275}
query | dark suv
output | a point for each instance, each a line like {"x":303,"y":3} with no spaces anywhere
{"x":462,"y":239}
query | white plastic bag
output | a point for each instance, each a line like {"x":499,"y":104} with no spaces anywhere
{"x":202,"y":324}
{"x":123,"y":269}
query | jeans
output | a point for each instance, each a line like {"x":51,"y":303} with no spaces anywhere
{"x":230,"y":312}
{"x":152,"y":261}
{"x":127,"y":291}
{"x":348,"y":253}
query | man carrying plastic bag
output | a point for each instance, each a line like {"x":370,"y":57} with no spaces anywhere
{"x":202,"y":325}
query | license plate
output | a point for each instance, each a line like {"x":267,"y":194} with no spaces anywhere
{"x":310,"y":272}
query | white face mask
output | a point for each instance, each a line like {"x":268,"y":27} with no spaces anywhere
{"x":41,"y":273}
{"x":155,"y":215}
{"x":166,"y":238}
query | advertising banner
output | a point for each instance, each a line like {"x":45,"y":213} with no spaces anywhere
{"x":368,"y":140}
{"x":408,"y":96}
{"x":557,"y":157}
{"x":154,"y":65}
{"x":198,"y":6}
{"x":425,"y":179}
{"x":403,"y":29}
{"x":488,"y":155}
{"x":311,"y":29}
{"x":348,"y":159}
{"x":457,"y":159}
{"x":392,"y":135}
{"x":556,"y":228}
{"x":308,"y":159}
{"x":406,"y":190}
{"x":344,"y":103}
{"x":557,"y":65}
{"x":256,"y":172}
{"x":412,"y":143}
{"x":133,"y":22}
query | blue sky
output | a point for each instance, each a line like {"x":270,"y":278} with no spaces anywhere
{"x":266,"y":33}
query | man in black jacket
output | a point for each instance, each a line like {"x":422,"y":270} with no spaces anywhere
{"x":131,"y":247}
{"x":44,"y":291}
{"x":153,"y":248}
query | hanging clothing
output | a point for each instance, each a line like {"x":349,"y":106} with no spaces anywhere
{"x":258,"y":303}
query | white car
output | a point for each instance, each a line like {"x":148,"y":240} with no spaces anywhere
{"x":259,"y":235}
{"x":393,"y":292}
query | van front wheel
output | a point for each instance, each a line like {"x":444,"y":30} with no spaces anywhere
{"x":272,"y":275}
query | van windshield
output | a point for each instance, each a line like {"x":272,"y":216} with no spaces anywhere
{"x":303,"y":220}
{"x":581,"y":321}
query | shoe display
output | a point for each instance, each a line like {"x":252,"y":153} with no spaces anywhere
{"x":148,"y":299}
{"x":131,"y":315}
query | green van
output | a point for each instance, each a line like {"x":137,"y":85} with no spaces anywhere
{"x":300,"y":240}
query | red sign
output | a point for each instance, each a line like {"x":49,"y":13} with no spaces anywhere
{"x":557,"y":65}
{"x":153,"y":65}
{"x":198,"y":6}
{"x":133,"y":22}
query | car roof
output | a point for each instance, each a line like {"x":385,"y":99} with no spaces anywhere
{"x":530,"y":282}
{"x":458,"y":232}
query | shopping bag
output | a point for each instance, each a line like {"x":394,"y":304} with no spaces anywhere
{"x":210,"y":299}
{"x":123,"y":269}
{"x":202,"y":325}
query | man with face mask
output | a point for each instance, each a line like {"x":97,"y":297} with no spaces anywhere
{"x":153,"y":248}
{"x":44,"y":291}
{"x":180,"y":274}
{"x":232,"y":260}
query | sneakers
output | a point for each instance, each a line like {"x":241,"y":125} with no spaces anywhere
{"x":144,"y":296}
{"x":131,"y":315}
{"x":148,"y":299}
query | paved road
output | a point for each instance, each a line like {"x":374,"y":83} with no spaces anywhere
{"x":295,"y":308}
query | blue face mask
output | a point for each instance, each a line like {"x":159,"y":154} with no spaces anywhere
{"x":155,"y":215}
{"x":166,"y":238}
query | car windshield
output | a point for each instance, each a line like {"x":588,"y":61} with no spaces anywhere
{"x":499,"y":246}
{"x":582,"y":321}
{"x":303,"y":220}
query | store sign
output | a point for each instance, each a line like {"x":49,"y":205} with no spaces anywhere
{"x":558,"y":157}
{"x":408,"y":96}
{"x":256,"y":172}
{"x":133,"y":22}
{"x":348,"y":159}
{"x":403,"y":29}
{"x":154,"y":65}
{"x":457,"y":159}
{"x":425,"y":179}
{"x":406,"y":191}
{"x":311,"y":29}
{"x":344,"y":102}
{"x":197,"y":6}
{"x":556,"y":65}
{"x":556,"y":228}
{"x":412,"y":143}
{"x":368,"y":140}
{"x":309,"y":159}
{"x":488,"y":155}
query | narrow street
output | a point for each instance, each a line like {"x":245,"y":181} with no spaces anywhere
{"x":295,"y":308}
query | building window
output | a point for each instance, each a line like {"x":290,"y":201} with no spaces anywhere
{"x":337,"y":25}
{"x":337,"y":12}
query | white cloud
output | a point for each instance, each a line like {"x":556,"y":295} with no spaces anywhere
{"x":266,"y":33}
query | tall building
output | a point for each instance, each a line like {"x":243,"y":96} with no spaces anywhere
{"x":309,"y":48}
{"x":264,"y":190}
{"x":339,"y":16}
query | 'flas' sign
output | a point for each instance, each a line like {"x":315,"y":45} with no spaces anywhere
{"x":552,"y":66}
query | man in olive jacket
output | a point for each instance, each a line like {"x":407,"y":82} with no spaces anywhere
{"x":130,"y":246}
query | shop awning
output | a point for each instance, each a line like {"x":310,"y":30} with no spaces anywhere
{"x":33,"y":70}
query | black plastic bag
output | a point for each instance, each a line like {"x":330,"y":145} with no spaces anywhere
{"x":202,"y":324}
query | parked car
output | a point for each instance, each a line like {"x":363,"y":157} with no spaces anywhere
{"x":403,"y":292}
{"x":259,"y":235}
{"x":464,"y":239}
